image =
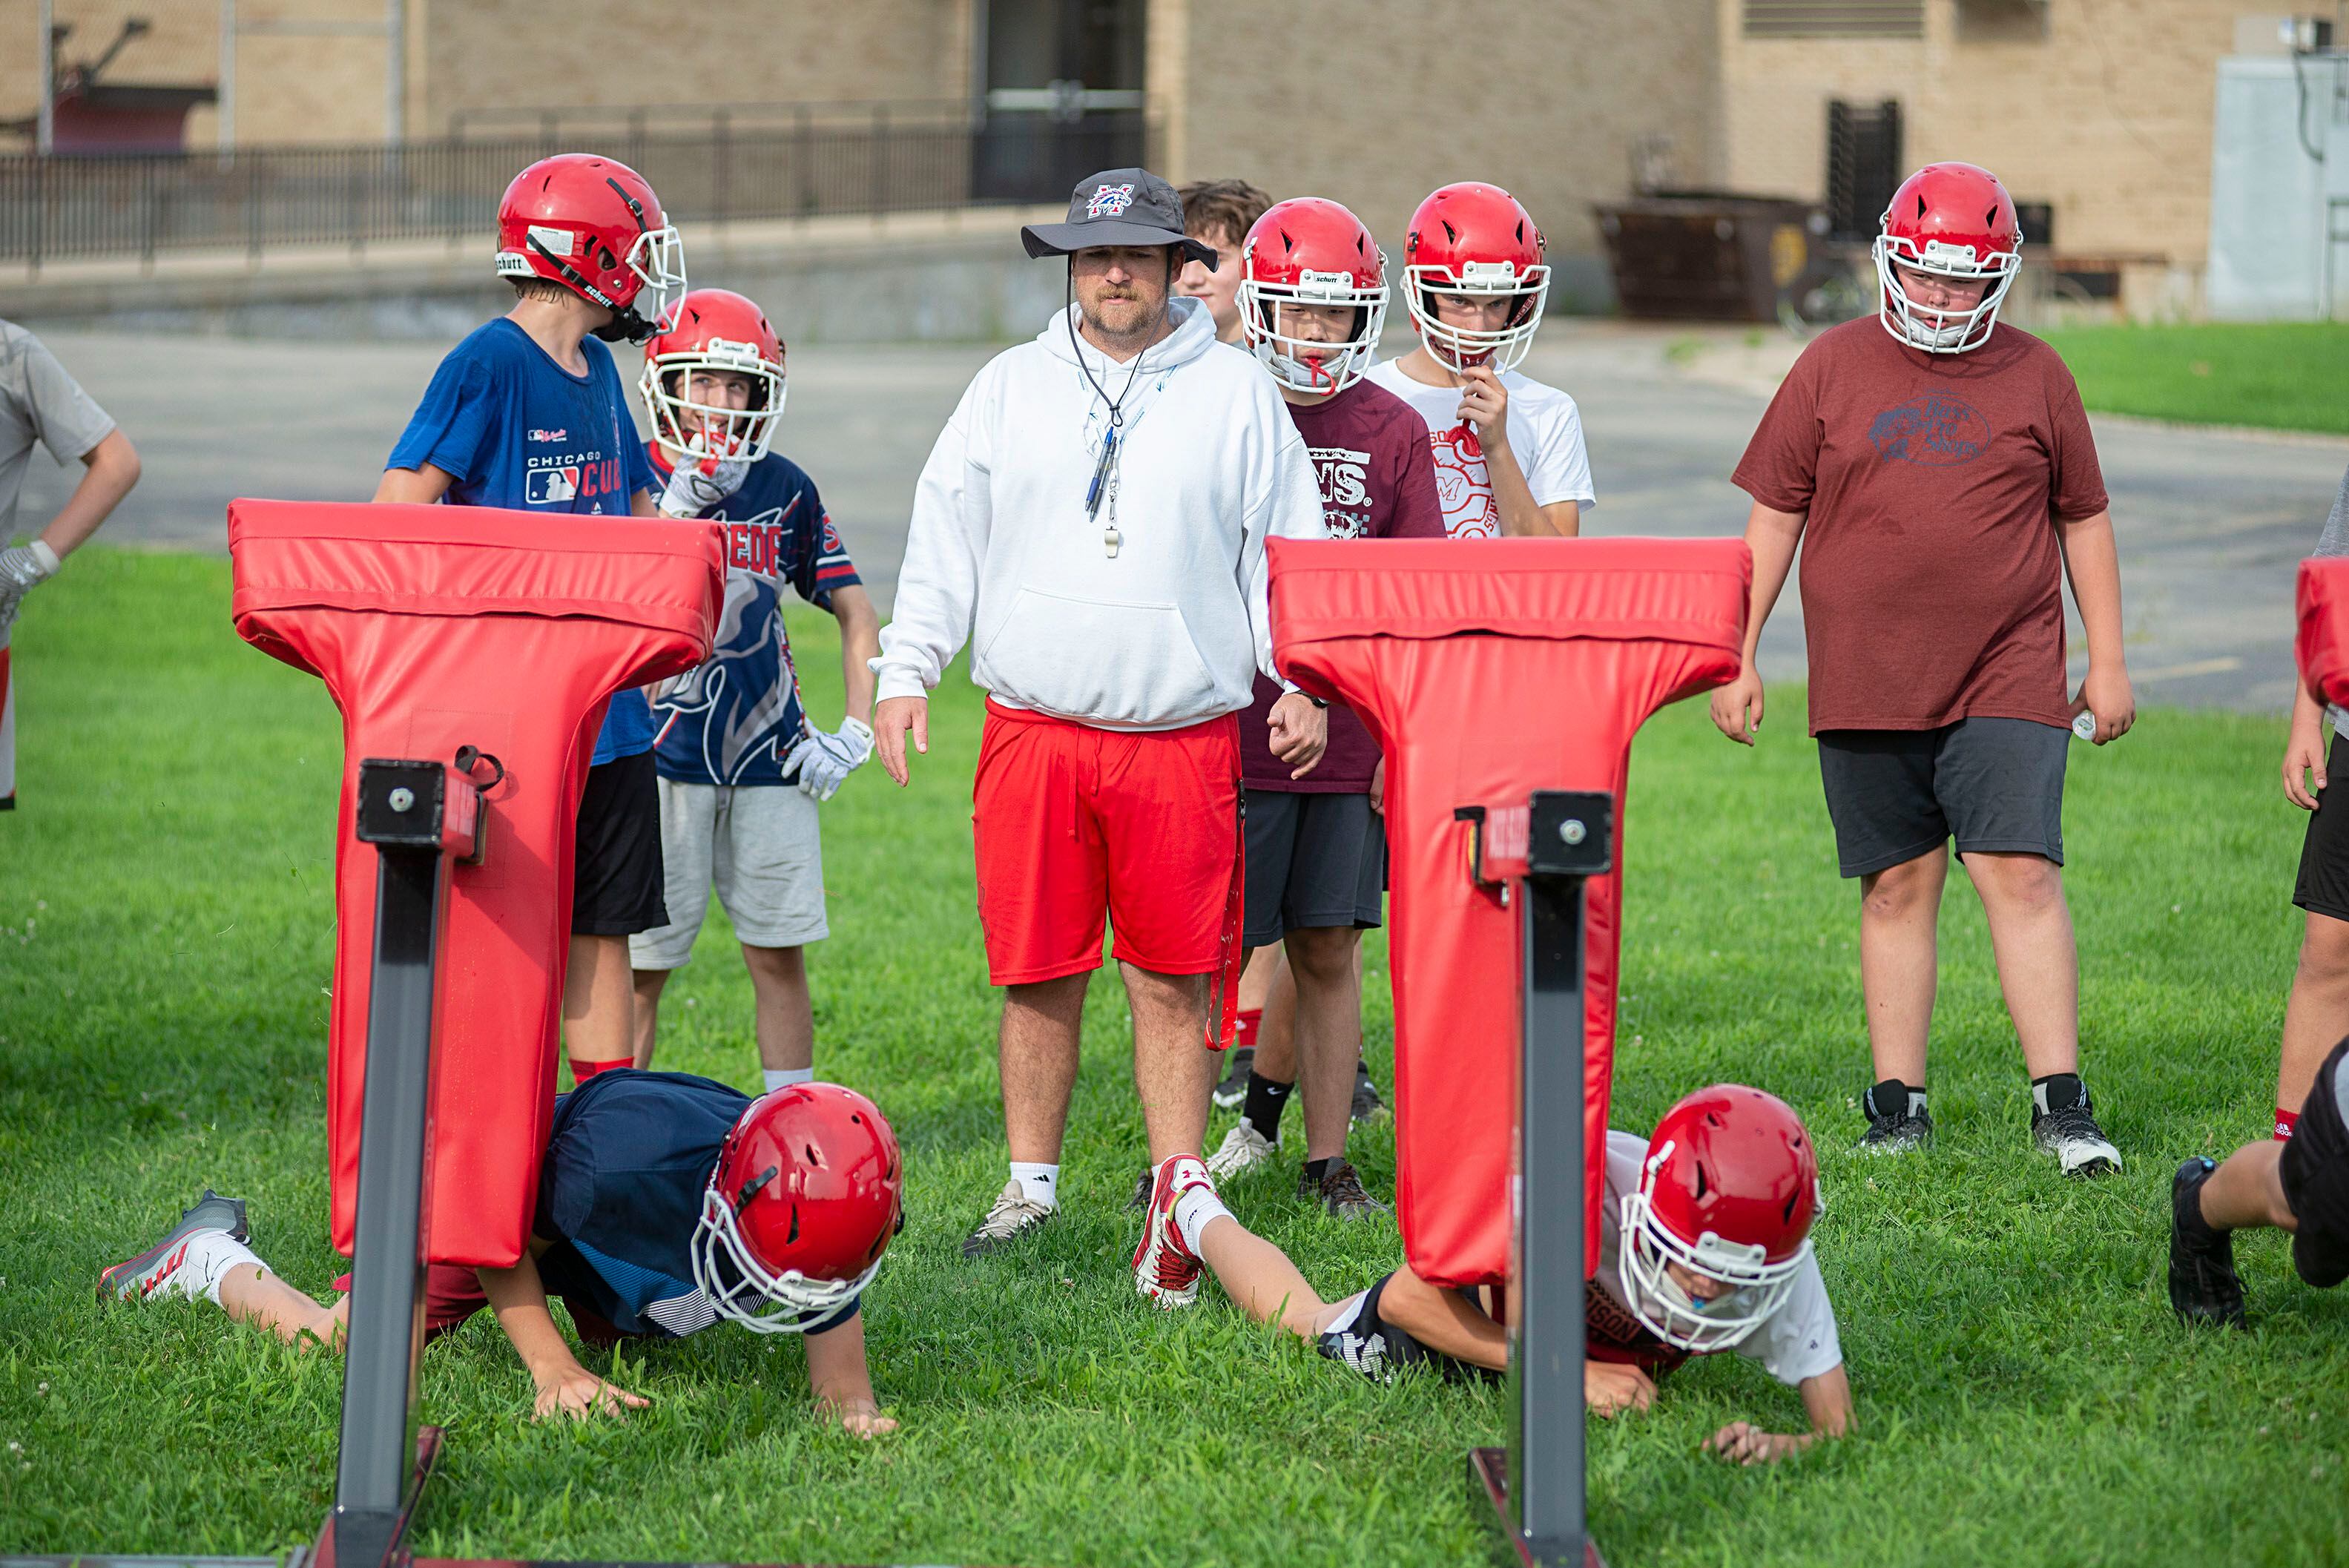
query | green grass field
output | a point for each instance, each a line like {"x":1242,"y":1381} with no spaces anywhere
{"x":165,"y":940}
{"x":2286,"y":375}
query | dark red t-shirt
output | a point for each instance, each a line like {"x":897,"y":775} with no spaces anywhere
{"x":1378,"y":481}
{"x":1931,"y":569}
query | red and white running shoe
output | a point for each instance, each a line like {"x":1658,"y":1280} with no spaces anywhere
{"x":1164,"y":1270}
{"x":154,"y":1271}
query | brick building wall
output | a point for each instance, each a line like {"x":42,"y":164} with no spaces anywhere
{"x":1548,"y":98}
{"x":2107,"y":117}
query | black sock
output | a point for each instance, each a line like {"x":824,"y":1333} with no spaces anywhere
{"x":1317,"y":1169}
{"x":1893,"y":1098}
{"x":1265,"y":1100}
{"x":2058,"y":1092}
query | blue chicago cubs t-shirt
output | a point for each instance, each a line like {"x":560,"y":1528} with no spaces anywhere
{"x":733,"y":720}
{"x":619,"y":1193}
{"x":515,"y":429}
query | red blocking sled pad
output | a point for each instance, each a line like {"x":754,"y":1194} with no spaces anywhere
{"x":436,"y":627}
{"x":1487,"y":670}
{"x":2322,"y":646}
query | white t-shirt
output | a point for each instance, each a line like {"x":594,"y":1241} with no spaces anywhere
{"x":1545,"y":433}
{"x":1796,"y":1341}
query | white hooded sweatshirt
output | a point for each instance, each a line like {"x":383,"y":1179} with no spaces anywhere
{"x":1171,"y":629}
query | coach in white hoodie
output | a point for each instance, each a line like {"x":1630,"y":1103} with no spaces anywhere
{"x":1092,"y":522}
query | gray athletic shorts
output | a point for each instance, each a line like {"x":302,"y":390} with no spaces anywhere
{"x":1312,"y":860}
{"x":759,"y":845}
{"x":1995,"y":785}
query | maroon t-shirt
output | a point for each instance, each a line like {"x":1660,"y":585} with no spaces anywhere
{"x":1378,"y":481}
{"x":1931,"y":568}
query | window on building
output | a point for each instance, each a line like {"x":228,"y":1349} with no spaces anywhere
{"x":1835,"y":18}
{"x":2001,"y":21}
{"x":1863,"y":166}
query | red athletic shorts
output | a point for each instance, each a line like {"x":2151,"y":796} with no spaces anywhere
{"x":1074,"y":824}
{"x":452,"y":1292}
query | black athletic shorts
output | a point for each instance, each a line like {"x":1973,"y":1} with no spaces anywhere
{"x":618,"y":888}
{"x":1995,"y":785}
{"x":1312,"y":860}
{"x":2314,"y":1169}
{"x":1361,"y":1339}
{"x":2323,"y":884}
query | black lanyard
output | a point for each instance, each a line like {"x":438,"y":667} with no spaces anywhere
{"x":1094,"y":491}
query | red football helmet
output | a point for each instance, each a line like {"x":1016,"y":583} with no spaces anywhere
{"x":1956,"y":221}
{"x":1311,"y":251}
{"x":593,"y":226}
{"x":1475,"y":240}
{"x":713,"y":329}
{"x":806,"y":1195}
{"x":1729,"y":1189}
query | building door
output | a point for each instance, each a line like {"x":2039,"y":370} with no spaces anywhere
{"x":1863,"y":166}
{"x":1060,"y":94}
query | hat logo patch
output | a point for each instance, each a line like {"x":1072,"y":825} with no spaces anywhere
{"x":1109,"y":202}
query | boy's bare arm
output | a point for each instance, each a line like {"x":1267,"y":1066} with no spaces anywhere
{"x":519,"y":1299}
{"x":2094,"y":562}
{"x":842,"y":1382}
{"x":860,"y":644}
{"x":1772,"y":536}
{"x":414,"y":487}
{"x":1826,"y":1400}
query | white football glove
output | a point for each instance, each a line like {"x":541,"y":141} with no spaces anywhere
{"x":825,"y":761}
{"x":697,"y":484}
{"x":22,"y":567}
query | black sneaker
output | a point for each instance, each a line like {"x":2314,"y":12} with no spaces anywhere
{"x":1141,"y":1199}
{"x":1232,"y":1093}
{"x":1893,"y":1127}
{"x":1368,"y":1106}
{"x":2070,"y":1133}
{"x":2203,"y":1286}
{"x":1339,"y":1192}
{"x":1012,"y":1216}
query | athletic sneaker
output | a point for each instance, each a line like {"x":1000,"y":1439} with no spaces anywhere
{"x":1894,"y":1129}
{"x":1368,"y":1106}
{"x":2203,"y":1285}
{"x":1013,"y":1215}
{"x":1232,"y":1093}
{"x":135,"y":1279}
{"x":1243,"y":1148}
{"x":2071,"y":1134}
{"x":1339,"y":1192}
{"x":1164,"y":1270}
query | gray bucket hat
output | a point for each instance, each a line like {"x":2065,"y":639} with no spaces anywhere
{"x":1118,"y":207}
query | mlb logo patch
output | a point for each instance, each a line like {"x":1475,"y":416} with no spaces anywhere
{"x":551,"y":487}
{"x":1109,"y":202}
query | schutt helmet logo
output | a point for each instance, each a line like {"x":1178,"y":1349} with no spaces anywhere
{"x":1109,"y":202}
{"x":1934,"y":430}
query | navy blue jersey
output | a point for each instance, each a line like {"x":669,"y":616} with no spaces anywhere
{"x":515,"y":429}
{"x":733,"y":720}
{"x":620,"y":1193}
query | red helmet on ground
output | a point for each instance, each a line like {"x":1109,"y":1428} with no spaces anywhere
{"x":1311,"y":251}
{"x":1728,"y":1190}
{"x":713,"y":329}
{"x":806,"y":1195}
{"x":593,"y":226}
{"x":1956,"y":221}
{"x":1476,"y":240}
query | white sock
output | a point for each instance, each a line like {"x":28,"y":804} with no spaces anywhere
{"x":210,"y":1255}
{"x":1192,"y":1210}
{"x":783,"y":1078}
{"x":1041,"y":1182}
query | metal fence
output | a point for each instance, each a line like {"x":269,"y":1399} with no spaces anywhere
{"x":255,"y":199}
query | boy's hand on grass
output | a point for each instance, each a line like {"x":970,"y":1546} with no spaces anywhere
{"x":2106,"y":694}
{"x":1737,"y":707}
{"x":1744,"y":1444}
{"x":859,"y":1418}
{"x":1609,"y":1389}
{"x":578,"y":1392}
